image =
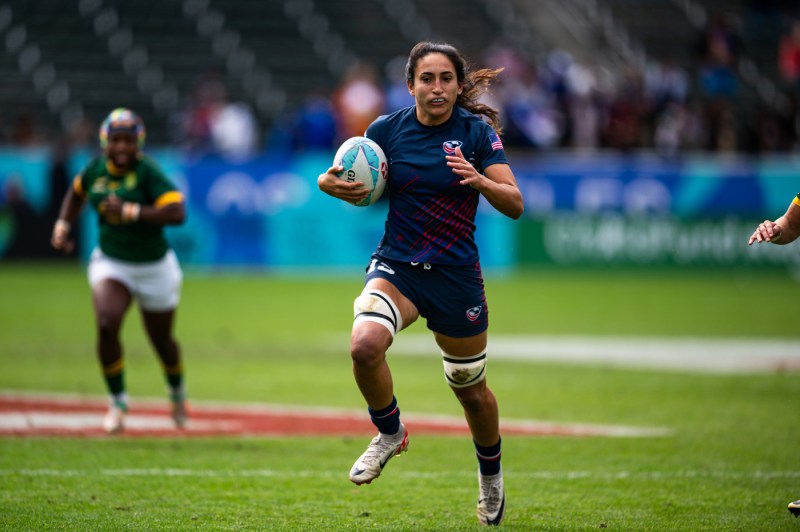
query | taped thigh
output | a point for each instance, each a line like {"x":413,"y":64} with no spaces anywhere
{"x":461,"y":372}
{"x":375,"y":305}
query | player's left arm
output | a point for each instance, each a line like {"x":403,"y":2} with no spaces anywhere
{"x":792,"y":222}
{"x":497,"y":184}
{"x":169,"y":205}
{"x":782,"y":231}
{"x":168,"y":209}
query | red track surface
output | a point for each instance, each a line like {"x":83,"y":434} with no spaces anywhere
{"x":30,"y":415}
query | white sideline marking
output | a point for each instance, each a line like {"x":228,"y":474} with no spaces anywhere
{"x":77,"y":421}
{"x":702,"y":355}
{"x":281,"y":474}
{"x":81,"y":417}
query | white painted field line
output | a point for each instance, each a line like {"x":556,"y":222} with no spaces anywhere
{"x":426,"y":474}
{"x":702,"y":355}
{"x":77,"y":421}
{"x":39,"y":418}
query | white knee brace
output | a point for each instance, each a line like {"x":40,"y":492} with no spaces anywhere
{"x":462,"y":372}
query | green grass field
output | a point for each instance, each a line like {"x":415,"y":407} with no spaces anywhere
{"x":731,"y":462}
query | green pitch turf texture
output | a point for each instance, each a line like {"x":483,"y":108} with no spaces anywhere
{"x":731,"y":462}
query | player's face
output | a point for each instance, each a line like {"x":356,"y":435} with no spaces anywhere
{"x":122,"y":149}
{"x":435,"y":88}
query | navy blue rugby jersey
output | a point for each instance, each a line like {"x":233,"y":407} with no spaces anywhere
{"x":431,"y":215}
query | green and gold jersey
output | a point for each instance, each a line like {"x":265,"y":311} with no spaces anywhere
{"x":145,"y":184}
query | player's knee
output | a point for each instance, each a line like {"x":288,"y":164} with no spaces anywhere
{"x":165,"y":346}
{"x":473,"y":398}
{"x":367,"y":350}
{"x":107,"y":326}
{"x":464,"y":372}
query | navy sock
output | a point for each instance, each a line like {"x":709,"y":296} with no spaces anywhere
{"x":488,"y":458}
{"x":386,"y":419}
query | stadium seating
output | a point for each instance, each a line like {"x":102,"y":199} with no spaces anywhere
{"x":67,"y":60}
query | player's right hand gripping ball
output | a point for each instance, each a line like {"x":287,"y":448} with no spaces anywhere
{"x":364,"y":161}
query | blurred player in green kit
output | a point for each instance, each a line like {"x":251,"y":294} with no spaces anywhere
{"x":134,"y":200}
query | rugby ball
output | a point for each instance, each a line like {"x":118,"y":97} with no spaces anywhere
{"x":364,"y":161}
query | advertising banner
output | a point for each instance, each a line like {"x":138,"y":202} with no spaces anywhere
{"x":580,"y":209}
{"x":640,"y":209}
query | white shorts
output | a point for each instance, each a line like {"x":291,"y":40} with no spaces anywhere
{"x":155,"y":285}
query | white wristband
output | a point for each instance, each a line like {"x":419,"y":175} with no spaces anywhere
{"x":62,"y":226}
{"x":131,"y":212}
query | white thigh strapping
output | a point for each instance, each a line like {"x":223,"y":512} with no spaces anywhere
{"x":376,"y":306}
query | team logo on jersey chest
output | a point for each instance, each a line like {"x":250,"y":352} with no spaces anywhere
{"x":100,"y":186}
{"x":451,"y":145}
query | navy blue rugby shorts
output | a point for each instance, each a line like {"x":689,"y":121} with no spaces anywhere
{"x":451,"y":298}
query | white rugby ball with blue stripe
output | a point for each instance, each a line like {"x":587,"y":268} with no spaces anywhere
{"x":364,"y":161}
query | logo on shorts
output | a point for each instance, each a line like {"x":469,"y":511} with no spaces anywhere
{"x":474,"y":313}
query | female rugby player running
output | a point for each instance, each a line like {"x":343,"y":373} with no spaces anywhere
{"x":442,"y":157}
{"x":134,"y":201}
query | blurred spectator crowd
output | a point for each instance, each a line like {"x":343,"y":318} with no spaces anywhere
{"x":557,"y":102}
{"x":563,"y":102}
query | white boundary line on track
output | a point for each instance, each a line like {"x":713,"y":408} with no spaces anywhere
{"x":84,"y":415}
{"x":685,"y":354}
{"x":272,"y":473}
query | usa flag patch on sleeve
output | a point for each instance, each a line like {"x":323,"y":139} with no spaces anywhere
{"x":497,"y":144}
